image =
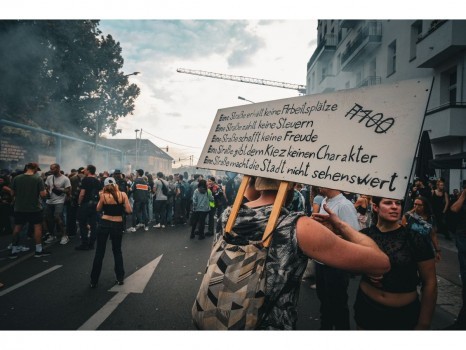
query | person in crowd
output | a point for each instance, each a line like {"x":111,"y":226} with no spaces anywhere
{"x":390,"y":301}
{"x":220,"y":200}
{"x":317,"y":199}
{"x":231,"y":188}
{"x":140,"y":191}
{"x":72,"y":208}
{"x":452,"y":217}
{"x":201,"y":207}
{"x":459,"y":207}
{"x":215,"y":189}
{"x":421,"y":220}
{"x":361,"y":205}
{"x":150,"y":203}
{"x":440,"y":204}
{"x":186,"y":195}
{"x":6,"y":207}
{"x":296,"y":238}
{"x":161,"y":188}
{"x":87,"y":203}
{"x":180,"y":200}
{"x":58,"y":188}
{"x":297,"y":203}
{"x":306,"y":193}
{"x":113,"y":204}
{"x":194,"y":183}
{"x":332,"y":283}
{"x":27,"y":188}
{"x":420,"y":189}
{"x":171,"y":200}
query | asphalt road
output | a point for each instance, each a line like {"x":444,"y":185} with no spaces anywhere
{"x":52,"y":293}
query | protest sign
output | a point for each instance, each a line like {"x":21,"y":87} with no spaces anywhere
{"x":359,"y":140}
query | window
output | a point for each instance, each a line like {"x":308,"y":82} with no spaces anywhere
{"x":372,"y":68}
{"x":452,"y":87}
{"x":391,"y":59}
{"x":338,"y":63}
{"x":448,"y":87}
{"x":313,"y":80}
{"x":416,"y":31}
{"x":358,"y":78}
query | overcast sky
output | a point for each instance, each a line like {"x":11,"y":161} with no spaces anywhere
{"x":176,"y":109}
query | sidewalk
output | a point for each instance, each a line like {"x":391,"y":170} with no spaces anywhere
{"x":448,"y":279}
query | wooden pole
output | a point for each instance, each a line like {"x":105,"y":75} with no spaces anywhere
{"x":277,"y":207}
{"x":237,"y":203}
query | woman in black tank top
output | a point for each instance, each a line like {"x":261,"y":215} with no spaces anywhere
{"x":391,"y":301}
{"x":113,"y":204}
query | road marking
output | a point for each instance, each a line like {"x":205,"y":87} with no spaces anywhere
{"x":16,"y":286}
{"x":136,"y":283}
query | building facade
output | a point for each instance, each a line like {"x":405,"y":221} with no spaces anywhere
{"x":358,"y":53}
{"x":141,"y":154}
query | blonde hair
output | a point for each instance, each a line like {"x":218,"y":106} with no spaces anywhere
{"x":113,"y":190}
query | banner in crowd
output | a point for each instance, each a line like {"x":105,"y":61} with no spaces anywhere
{"x":359,"y":140}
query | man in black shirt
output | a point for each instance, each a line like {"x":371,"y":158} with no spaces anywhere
{"x":87,"y":203}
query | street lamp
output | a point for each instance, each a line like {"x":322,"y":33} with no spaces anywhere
{"x":136,"y":131}
{"x":134,"y":73}
{"x":244,"y":99}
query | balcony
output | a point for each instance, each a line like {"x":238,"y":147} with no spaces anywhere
{"x":327,"y":84}
{"x":370,"y":81}
{"x":444,"y":39}
{"x":445,"y":121}
{"x":367,"y":39}
{"x":324,"y":50}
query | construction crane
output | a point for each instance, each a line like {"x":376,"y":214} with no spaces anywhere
{"x":300,"y":88}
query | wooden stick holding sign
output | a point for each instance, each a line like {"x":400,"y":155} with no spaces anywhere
{"x":277,"y":206}
{"x":237,"y":203}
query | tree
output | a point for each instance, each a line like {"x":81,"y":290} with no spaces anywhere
{"x":63,"y":76}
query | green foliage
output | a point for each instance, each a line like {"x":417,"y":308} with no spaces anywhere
{"x":63,"y":76}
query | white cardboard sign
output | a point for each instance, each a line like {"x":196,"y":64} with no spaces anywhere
{"x":360,"y":140}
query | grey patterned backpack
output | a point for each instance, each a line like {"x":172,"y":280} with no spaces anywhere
{"x":232,"y":291}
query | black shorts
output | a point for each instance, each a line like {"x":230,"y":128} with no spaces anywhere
{"x":33,"y":218}
{"x":371,"y":315}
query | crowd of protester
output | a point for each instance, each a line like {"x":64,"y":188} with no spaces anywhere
{"x":67,"y":202}
{"x":63,"y":207}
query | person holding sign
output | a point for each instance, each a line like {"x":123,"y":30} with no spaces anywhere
{"x":390,"y":301}
{"x":295,"y":239}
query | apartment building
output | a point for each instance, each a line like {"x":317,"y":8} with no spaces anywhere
{"x":357,"y":53}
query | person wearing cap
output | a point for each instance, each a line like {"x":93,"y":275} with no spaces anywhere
{"x":113,"y":204}
{"x":120,"y":180}
{"x":296,"y":238}
{"x":27,"y":188}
